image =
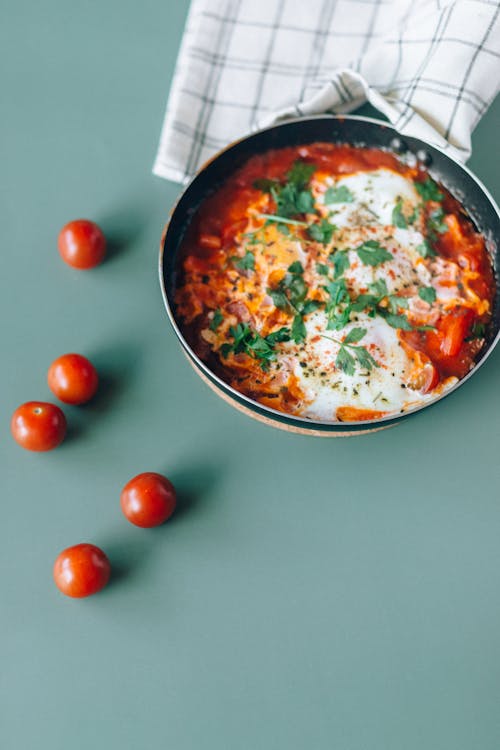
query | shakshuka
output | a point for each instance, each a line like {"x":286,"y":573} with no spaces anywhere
{"x":335,"y":283}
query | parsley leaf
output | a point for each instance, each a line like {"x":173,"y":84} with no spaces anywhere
{"x":436,"y":224}
{"x":340,"y":262}
{"x":354,"y":336}
{"x":282,"y":334}
{"x":364,"y":358}
{"x":246,"y":263}
{"x":265,"y":184}
{"x":379,"y":288}
{"x":428,"y":190}
{"x":300,"y":173}
{"x":290,"y":295}
{"x":279,"y":298}
{"x":345,"y":361}
{"x":427,"y":293}
{"x":371,"y":253}
{"x":298,"y":329}
{"x":294,"y":197}
{"x":337,"y":317}
{"x":396,"y":320}
{"x":398,"y":217}
{"x":348,"y":352}
{"x":216,"y":320}
{"x":322,"y":232}
{"x":478,"y":331}
{"x":340,"y":194}
{"x":322,"y":269}
{"x":426,"y":250}
{"x":310,"y":306}
{"x":249,"y":342}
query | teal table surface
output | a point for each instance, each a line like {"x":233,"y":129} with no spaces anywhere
{"x":309,"y":593}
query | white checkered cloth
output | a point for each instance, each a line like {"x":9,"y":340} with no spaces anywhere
{"x":432,"y":67}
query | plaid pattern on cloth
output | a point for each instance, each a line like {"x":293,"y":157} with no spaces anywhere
{"x":432,"y":67}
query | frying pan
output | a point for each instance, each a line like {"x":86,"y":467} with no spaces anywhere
{"x":348,"y":129}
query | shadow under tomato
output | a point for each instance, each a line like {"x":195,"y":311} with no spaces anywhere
{"x":118,"y":367}
{"x":194,"y":485}
{"x":123,"y":226}
{"x":128,"y":557}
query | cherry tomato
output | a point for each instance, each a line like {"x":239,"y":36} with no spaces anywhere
{"x":72,"y":378}
{"x":38,"y":426}
{"x":82,"y":244}
{"x":148,"y":500}
{"x":81,"y":570}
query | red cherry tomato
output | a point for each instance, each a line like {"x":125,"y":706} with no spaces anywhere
{"x":82,"y":244}
{"x":148,"y":500}
{"x":72,"y":378}
{"x":38,"y":426}
{"x":81,"y":570}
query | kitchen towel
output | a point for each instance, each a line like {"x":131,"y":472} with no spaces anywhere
{"x":432,"y":67}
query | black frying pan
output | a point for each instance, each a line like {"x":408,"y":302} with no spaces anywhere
{"x":357,"y":131}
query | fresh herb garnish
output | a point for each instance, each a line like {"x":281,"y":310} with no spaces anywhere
{"x":322,"y":269}
{"x":247,"y":341}
{"x":398,"y":218}
{"x":322,"y":232}
{"x":290,"y":295}
{"x":296,"y":267}
{"x":428,"y":190}
{"x":427,"y":293}
{"x":337,"y":316}
{"x":436,"y":224}
{"x":340,"y":262}
{"x":371,"y":253}
{"x":348,"y":352}
{"x":216,"y":320}
{"x":478,"y":331}
{"x":340,"y":194}
{"x":298,"y":329}
{"x":292,"y":197}
{"x":426,"y":250}
{"x":246,"y":263}
{"x":396,"y":320}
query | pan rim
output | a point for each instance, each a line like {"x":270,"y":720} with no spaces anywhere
{"x":283,"y":416}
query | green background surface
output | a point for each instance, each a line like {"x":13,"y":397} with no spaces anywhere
{"x":310,"y":593}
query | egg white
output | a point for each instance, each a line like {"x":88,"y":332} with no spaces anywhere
{"x":384,"y":388}
{"x":375,"y":193}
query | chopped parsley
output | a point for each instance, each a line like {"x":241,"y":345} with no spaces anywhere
{"x":340,"y":194}
{"x":427,"y":293}
{"x":216,"y":320}
{"x":426,"y":250}
{"x":322,"y":231}
{"x":246,"y":263}
{"x":428,"y":190}
{"x":322,"y":269}
{"x":349,"y":353}
{"x":478,"y":331}
{"x":435,"y":223}
{"x":340,"y":262}
{"x":372,"y":304}
{"x":290,"y":295}
{"x":337,"y":316}
{"x":398,"y":218}
{"x":371,"y":253}
{"x":396,"y":320}
{"x":248,"y":341}
{"x":294,"y":196}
